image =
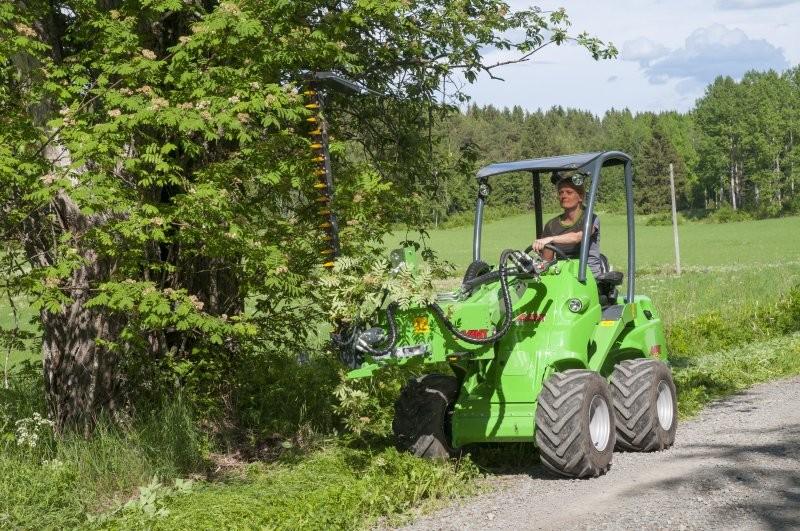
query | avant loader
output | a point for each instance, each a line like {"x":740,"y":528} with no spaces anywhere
{"x":539,"y":350}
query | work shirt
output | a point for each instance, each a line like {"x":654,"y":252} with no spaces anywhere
{"x":556,"y":227}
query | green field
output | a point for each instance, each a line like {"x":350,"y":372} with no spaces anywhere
{"x":747,"y":244}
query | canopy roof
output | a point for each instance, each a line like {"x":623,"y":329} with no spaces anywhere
{"x":559,"y":163}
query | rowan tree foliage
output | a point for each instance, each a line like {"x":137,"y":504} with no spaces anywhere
{"x":156,"y":176}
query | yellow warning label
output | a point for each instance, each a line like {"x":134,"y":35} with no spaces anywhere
{"x":421,"y":325}
{"x":607,"y":323}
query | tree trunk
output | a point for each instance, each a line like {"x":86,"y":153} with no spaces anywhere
{"x":80,"y":373}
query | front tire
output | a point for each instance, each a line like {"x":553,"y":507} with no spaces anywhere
{"x":645,"y":405}
{"x":575,"y":424}
{"x":421,"y":422}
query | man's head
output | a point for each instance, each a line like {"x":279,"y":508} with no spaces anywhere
{"x":570,"y":194}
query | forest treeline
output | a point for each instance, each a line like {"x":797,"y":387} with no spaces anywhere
{"x":737,"y":149}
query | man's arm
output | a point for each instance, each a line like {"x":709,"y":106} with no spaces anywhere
{"x":568,"y":238}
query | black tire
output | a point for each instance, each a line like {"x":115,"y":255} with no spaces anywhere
{"x":422,"y":413}
{"x":476,"y":269}
{"x":563,"y":424}
{"x":636,"y":386}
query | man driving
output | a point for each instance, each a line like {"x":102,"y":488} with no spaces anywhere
{"x":565,"y":231}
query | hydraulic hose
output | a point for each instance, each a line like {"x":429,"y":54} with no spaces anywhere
{"x":392,"y":339}
{"x":504,"y":291}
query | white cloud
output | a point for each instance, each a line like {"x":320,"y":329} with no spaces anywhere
{"x":707,"y":53}
{"x":752,"y":4}
{"x":642,"y":50}
{"x":567,"y":75}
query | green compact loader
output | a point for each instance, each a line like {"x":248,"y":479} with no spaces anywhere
{"x":540,"y":350}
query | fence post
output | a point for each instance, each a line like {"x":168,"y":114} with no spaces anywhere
{"x":674,"y":221}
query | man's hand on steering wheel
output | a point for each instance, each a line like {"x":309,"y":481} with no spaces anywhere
{"x":539,"y":245}
{"x":547,"y":245}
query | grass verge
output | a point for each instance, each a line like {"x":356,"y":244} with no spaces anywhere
{"x":334,"y":488}
{"x":705,"y":378}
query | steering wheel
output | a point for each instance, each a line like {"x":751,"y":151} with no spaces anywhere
{"x":556,"y":251}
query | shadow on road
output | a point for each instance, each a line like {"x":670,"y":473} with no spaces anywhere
{"x":759,"y":479}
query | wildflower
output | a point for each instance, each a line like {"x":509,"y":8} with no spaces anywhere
{"x":352,"y":222}
{"x":114,"y":14}
{"x":281,"y":270}
{"x":114,"y":113}
{"x":185,"y":106}
{"x":255,"y":85}
{"x":148,"y":54}
{"x":125,"y":91}
{"x":243,"y":117}
{"x":145,"y":89}
{"x":48,"y":179}
{"x":234,"y":99}
{"x":29,"y":430}
{"x":358,"y":198}
{"x":203,"y":104}
{"x":183,"y":39}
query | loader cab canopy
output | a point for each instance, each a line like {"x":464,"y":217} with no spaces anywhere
{"x":577,"y":162}
{"x":589,"y":163}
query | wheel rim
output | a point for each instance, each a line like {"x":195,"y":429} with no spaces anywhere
{"x":599,"y":422}
{"x":664,"y":405}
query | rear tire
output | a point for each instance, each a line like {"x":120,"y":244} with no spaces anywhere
{"x":645,"y":405}
{"x":422,"y":414}
{"x":575,"y":424}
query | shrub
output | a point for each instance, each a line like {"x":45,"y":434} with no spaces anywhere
{"x":663,"y":218}
{"x":726,"y":214}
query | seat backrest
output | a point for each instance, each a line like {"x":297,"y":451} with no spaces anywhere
{"x":613,"y":278}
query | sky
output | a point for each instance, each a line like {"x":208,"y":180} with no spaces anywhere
{"x":668,"y":52}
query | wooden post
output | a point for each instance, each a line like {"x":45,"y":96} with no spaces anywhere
{"x":674,"y":220}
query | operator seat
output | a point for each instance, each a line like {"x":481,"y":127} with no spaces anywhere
{"x":607,"y":282}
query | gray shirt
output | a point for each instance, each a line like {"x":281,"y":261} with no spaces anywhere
{"x":556,"y":227}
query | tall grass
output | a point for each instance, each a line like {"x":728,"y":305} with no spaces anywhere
{"x":56,"y":483}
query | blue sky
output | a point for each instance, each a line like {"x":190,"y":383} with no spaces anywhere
{"x":669,"y":51}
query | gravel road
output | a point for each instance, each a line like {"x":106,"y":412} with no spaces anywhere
{"x":735,"y":466}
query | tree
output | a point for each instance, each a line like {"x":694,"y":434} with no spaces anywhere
{"x":158,"y":172}
{"x":652,"y":176}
